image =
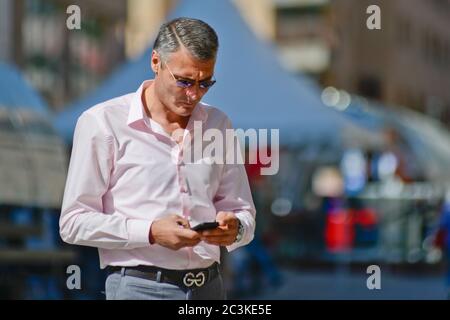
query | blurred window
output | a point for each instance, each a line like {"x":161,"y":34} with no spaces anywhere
{"x":404,"y":32}
{"x":370,"y":87}
{"x":301,"y":22}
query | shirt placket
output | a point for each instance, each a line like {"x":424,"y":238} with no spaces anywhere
{"x":183,"y":182}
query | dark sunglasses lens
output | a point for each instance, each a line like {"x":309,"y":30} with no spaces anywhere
{"x":184,"y":84}
{"x":207,"y":84}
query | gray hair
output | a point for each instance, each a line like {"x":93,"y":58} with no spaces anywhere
{"x":196,"y":36}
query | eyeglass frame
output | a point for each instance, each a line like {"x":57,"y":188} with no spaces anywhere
{"x":189,"y":83}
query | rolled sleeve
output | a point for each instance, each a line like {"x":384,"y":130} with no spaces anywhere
{"x":248,"y":221}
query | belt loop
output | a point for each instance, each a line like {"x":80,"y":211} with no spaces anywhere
{"x":122,"y":271}
{"x":158,"y":276}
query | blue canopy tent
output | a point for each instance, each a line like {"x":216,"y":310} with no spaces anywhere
{"x":32,"y":175}
{"x":33,"y":166}
{"x":252,"y":88}
{"x":15,"y":92}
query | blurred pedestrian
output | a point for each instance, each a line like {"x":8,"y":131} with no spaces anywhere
{"x":442,"y":239}
{"x":254,"y":266}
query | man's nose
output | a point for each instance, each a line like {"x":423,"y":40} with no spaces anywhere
{"x":193,"y":92}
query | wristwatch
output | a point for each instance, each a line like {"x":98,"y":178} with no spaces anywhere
{"x":240,"y":233}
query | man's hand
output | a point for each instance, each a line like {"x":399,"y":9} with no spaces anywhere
{"x":225,"y":234}
{"x":174,"y":232}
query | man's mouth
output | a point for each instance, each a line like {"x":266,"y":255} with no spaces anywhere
{"x":189,"y":104}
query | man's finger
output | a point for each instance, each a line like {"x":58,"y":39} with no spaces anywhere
{"x":183,"y":222}
{"x":187,"y":233}
{"x":223,"y":215}
{"x":217,"y":231}
{"x":225,"y":218}
{"x":218,"y":235}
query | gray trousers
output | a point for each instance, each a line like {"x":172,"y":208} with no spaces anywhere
{"x":124,"y":287}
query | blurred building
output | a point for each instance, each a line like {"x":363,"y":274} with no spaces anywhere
{"x":11,"y":14}
{"x":143,"y":20}
{"x":61,"y":63}
{"x":5,"y":29}
{"x":65,"y":64}
{"x":298,"y":27}
{"x":326,"y":39}
{"x":406,"y":63}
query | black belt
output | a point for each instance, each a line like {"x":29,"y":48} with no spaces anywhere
{"x":188,"y":279}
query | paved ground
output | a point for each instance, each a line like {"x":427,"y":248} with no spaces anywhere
{"x":343,"y":284}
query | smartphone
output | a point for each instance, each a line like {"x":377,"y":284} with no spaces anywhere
{"x":205,"y":226}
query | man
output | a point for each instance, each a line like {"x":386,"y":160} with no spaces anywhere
{"x":130,"y":192}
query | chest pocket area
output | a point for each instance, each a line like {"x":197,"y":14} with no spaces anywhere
{"x":204,"y":175}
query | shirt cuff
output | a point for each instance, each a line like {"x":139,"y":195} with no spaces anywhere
{"x":247,"y":237}
{"x":139,"y":231}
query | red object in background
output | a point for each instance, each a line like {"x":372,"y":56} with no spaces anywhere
{"x":440,"y":238}
{"x":365,"y":217}
{"x":254,"y":169}
{"x":340,"y":227}
{"x":339,"y":231}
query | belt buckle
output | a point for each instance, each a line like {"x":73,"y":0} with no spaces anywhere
{"x":190,"y":279}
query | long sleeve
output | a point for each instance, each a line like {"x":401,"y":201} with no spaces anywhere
{"x":234,"y":195}
{"x":82,"y":219}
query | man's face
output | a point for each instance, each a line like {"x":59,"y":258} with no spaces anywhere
{"x":181,"y":101}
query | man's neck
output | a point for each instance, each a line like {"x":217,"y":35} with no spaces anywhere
{"x":159,"y":113}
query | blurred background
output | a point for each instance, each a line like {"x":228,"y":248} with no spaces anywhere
{"x":364,"y":118}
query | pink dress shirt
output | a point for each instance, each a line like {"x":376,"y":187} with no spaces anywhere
{"x":125,"y":171}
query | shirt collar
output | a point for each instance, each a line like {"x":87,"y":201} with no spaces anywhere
{"x":137,"y":112}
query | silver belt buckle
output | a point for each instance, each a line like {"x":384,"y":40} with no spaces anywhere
{"x":190,"y":279}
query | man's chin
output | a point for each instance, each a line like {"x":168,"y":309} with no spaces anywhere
{"x":185,"y":109}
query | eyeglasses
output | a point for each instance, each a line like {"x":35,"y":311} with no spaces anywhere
{"x":188,"y":83}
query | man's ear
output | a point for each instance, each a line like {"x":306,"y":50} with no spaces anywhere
{"x":155,"y":62}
